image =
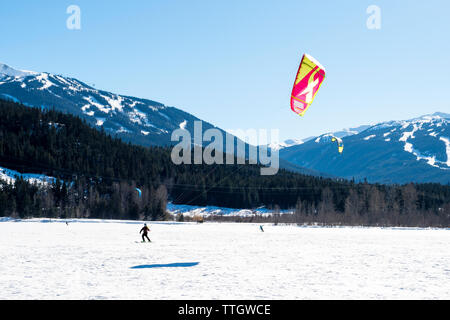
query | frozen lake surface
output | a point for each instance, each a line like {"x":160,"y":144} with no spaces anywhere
{"x":42,"y":259}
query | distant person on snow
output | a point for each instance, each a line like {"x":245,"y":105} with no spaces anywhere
{"x":261,"y":227}
{"x":144,"y":232}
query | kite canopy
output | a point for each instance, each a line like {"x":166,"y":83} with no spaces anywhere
{"x":339,"y":142}
{"x":139,"y":192}
{"x":310,"y":76}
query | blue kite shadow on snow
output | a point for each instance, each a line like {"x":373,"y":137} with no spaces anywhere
{"x":167,"y":265}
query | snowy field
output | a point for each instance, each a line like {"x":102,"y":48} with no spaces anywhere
{"x":40,"y":259}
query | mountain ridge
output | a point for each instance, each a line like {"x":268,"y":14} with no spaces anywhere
{"x":397,"y":151}
{"x":139,"y":121}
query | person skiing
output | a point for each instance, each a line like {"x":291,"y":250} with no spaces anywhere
{"x":144,"y":232}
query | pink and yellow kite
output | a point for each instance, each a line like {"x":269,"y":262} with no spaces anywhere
{"x":309,"y":78}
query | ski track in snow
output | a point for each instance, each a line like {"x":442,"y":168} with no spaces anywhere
{"x":95,"y":259}
{"x":93,"y":102}
{"x":447,"y":149}
{"x":100,"y":121}
{"x":369,"y":137}
{"x":46,"y":83}
{"x":409,"y":147}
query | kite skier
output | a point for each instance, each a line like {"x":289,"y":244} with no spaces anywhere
{"x":144,"y":232}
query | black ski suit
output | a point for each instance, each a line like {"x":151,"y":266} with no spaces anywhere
{"x":145,"y":230}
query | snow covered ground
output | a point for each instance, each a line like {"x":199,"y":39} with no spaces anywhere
{"x":43,"y":259}
{"x":192,"y":211}
{"x":10,"y":176}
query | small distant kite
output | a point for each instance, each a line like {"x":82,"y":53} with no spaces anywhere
{"x":339,"y":142}
{"x":139,"y":192}
{"x":310,"y":76}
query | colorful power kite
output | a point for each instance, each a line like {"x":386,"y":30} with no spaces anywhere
{"x":339,"y":142}
{"x":309,"y":78}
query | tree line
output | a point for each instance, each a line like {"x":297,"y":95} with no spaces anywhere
{"x":96,"y":175}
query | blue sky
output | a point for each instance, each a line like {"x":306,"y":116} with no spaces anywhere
{"x":233,"y":63}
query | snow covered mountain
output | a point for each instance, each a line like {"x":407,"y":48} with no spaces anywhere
{"x":350,"y":131}
{"x":139,"y":121}
{"x":416,"y":150}
{"x":10,"y":176}
{"x":286,"y":143}
{"x":294,"y":142}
